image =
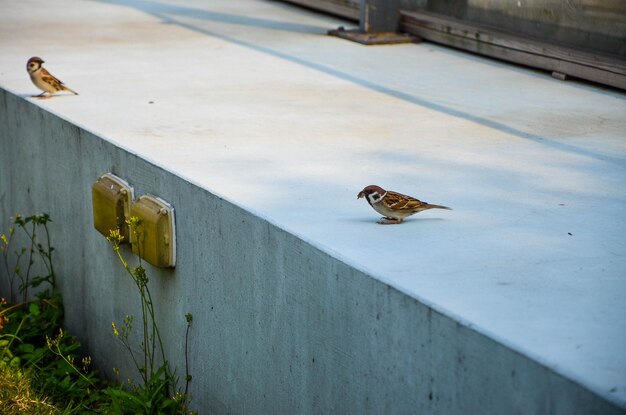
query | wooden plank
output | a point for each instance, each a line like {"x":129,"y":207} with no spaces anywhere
{"x":498,"y":37}
{"x":348,"y":9}
{"x":602,"y":68}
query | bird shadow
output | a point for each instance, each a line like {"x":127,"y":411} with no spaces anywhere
{"x":45,"y":97}
{"x":406,"y":221}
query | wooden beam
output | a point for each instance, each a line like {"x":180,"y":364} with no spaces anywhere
{"x":348,"y":9}
{"x":488,"y":41}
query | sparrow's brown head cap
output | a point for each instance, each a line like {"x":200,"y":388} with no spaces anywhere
{"x":35,"y":59}
{"x":368,"y":190}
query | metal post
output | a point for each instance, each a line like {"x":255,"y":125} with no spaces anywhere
{"x":379,"y":16}
{"x":379,"y":21}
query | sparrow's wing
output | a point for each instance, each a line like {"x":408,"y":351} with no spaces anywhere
{"x":50,"y":79}
{"x":55,"y":82}
{"x":399,"y":201}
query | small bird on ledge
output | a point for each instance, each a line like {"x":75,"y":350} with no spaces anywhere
{"x":44,"y":79}
{"x":393,"y":206}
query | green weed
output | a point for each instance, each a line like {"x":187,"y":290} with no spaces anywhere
{"x":42,"y":369}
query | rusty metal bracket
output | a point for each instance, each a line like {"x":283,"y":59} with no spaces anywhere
{"x":381,"y":38}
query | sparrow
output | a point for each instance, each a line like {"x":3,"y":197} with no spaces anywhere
{"x":43,"y":79}
{"x":393,"y":206}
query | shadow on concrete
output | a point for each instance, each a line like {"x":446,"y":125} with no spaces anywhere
{"x":163,"y":10}
{"x":376,"y":217}
{"x":168,"y":13}
{"x":44,"y":97}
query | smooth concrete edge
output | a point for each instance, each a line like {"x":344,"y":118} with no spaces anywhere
{"x":436,"y":307}
{"x":592,"y":398}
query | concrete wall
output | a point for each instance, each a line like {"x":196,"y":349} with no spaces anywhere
{"x":280,"y":327}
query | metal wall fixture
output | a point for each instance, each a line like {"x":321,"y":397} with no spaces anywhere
{"x":153,"y":237}
{"x":152,"y":234}
{"x":111,"y":198}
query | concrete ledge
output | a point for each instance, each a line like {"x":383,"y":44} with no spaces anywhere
{"x":279,"y":326}
{"x":260,"y":130}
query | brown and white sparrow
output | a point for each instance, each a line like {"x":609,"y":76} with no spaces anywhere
{"x":44,"y":79}
{"x":393,"y":206}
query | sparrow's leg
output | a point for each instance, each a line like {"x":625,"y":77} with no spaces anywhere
{"x":388,"y":221}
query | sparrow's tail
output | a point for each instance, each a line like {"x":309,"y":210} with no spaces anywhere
{"x":69,"y":90}
{"x":429,"y":206}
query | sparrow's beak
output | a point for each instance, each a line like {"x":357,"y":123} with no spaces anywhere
{"x":360,"y":195}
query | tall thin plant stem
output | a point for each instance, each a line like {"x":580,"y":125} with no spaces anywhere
{"x":152,"y":344}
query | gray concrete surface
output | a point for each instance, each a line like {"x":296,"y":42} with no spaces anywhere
{"x":260,"y":131}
